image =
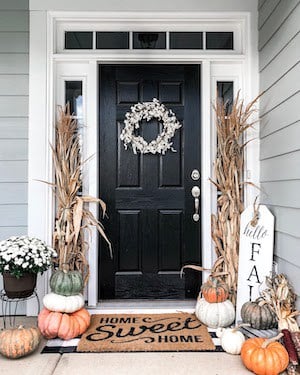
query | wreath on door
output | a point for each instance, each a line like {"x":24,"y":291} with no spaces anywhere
{"x":147,"y":111}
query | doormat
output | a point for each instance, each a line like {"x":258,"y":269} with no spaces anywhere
{"x":145,"y":333}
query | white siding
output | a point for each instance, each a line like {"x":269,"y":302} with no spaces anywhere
{"x":14,"y":73}
{"x":279,"y":46}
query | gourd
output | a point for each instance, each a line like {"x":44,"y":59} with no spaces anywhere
{"x":56,"y":302}
{"x":215,"y":315}
{"x":65,"y":326}
{"x":215,"y":290}
{"x":258,"y":314}
{"x":66,"y":283}
{"x":231,"y":339}
{"x":264,"y":356}
{"x":19,"y":342}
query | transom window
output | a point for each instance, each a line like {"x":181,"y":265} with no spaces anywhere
{"x":162,"y":40}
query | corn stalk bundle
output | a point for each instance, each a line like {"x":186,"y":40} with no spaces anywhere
{"x":72,"y":213}
{"x":229,"y":176}
{"x":281,"y":297}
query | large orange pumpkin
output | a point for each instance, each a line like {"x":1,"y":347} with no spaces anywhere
{"x":264,"y":356}
{"x":215,"y":290}
{"x":65,"y":326}
{"x":19,"y":342}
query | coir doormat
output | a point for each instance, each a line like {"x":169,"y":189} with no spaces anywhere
{"x":145,"y":333}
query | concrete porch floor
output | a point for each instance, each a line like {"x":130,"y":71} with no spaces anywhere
{"x":121,"y":363}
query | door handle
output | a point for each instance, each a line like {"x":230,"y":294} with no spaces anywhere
{"x":196,"y":195}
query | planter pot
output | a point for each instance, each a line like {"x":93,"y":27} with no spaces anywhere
{"x":19,"y":288}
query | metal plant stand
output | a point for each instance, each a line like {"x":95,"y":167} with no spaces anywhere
{"x":10,"y":305}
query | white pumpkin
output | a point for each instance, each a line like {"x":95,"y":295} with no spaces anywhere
{"x":215,"y":315}
{"x":231,"y":339}
{"x":67,"y":304}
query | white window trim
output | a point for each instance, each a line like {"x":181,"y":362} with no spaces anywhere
{"x":44,"y":62}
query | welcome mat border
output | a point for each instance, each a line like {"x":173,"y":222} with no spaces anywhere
{"x":58,"y":346}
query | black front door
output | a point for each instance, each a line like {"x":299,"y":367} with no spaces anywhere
{"x":149,"y":201}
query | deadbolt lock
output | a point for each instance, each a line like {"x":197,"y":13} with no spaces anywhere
{"x":195,"y":175}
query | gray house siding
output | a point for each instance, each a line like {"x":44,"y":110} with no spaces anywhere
{"x":14,"y":77}
{"x":279,"y":66}
{"x":14,"y":74}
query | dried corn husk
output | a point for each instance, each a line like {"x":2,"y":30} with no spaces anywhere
{"x":72,"y":213}
{"x":229,"y":180}
{"x":280,"y":295}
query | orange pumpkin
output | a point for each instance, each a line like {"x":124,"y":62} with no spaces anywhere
{"x":264,"y":356}
{"x":65,"y":326}
{"x":215,"y":290}
{"x":19,"y":342}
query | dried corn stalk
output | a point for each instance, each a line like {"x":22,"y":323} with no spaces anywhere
{"x":280,"y":295}
{"x":228,"y":170}
{"x":72,"y":213}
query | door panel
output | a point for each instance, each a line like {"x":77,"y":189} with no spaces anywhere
{"x":149,"y":200}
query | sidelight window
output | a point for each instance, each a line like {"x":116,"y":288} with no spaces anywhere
{"x":73,"y":96}
{"x":225,"y":94}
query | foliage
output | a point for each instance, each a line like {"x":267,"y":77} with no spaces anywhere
{"x":281,"y":298}
{"x":72,"y":214}
{"x":147,"y":111}
{"x":19,"y":255}
{"x":229,"y":180}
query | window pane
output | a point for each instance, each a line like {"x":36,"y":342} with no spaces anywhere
{"x":78,"y":40}
{"x":188,"y":40}
{"x":73,"y":90}
{"x":112,"y":40}
{"x":219,"y":40}
{"x":225,"y":94}
{"x":149,"y":40}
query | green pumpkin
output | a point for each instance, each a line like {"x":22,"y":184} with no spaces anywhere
{"x":258,"y":314}
{"x":67,"y":283}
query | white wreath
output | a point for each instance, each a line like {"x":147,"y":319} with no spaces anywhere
{"x":147,"y":111}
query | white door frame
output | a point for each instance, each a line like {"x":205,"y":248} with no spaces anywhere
{"x":49,"y":65}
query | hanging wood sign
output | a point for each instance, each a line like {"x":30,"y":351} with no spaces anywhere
{"x":255,"y":254}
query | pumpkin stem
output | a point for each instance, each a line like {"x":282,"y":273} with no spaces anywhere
{"x":272,"y":339}
{"x":65,"y":267}
{"x":261,"y":301}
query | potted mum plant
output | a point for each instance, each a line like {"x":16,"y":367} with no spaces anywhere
{"x":21,"y":259}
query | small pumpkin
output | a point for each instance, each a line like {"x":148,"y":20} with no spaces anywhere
{"x":231,"y":339}
{"x":66,"y":283}
{"x":215,"y":290}
{"x":56,"y":302}
{"x":215,"y":315}
{"x":264,"y":356}
{"x":65,"y":326}
{"x":19,"y":342}
{"x":258,"y":314}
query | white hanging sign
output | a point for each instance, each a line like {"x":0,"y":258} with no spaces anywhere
{"x":255,"y":254}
